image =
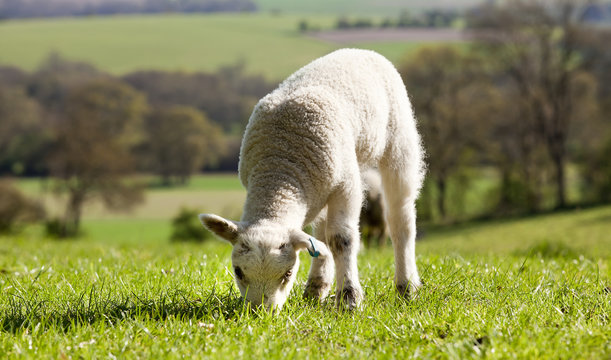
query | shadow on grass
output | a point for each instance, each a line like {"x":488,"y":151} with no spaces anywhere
{"x":97,"y":305}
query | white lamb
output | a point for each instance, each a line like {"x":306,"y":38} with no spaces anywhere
{"x":302,"y":154}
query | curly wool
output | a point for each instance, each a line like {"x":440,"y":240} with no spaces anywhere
{"x":319,"y":128}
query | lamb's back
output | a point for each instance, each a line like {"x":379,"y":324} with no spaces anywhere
{"x":334,"y":107}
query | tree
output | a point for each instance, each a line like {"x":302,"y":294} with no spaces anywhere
{"x":516,"y":151}
{"x":180,"y":140}
{"x":537,"y":43}
{"x":57,"y":77}
{"x":452,"y":105}
{"x":23,"y":137}
{"x":93,"y":148}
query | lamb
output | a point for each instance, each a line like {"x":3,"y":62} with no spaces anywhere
{"x":301,"y":158}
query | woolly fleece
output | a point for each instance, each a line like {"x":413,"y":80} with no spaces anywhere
{"x":312,"y":135}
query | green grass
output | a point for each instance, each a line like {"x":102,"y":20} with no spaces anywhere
{"x":268,"y":44}
{"x":207,"y":182}
{"x":523,"y":288}
{"x":171,"y":42}
{"x":583,"y":232}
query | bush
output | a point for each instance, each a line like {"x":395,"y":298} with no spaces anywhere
{"x":57,"y":228}
{"x":187,"y":227}
{"x":16,"y":209}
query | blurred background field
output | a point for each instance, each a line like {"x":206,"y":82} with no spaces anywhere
{"x":221,"y":193}
{"x":133,"y":111}
{"x":512,"y":129}
{"x":170,"y":42}
{"x":572,"y":233}
{"x":121,"y":44}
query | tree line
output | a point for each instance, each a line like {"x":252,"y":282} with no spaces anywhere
{"x":435,"y":18}
{"x":34,"y":106}
{"x":87,"y":130}
{"x":53,"y":8}
{"x":427,"y":19}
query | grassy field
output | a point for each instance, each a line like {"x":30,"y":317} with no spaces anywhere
{"x":224,"y":194}
{"x":268,"y":44}
{"x":523,"y":288}
{"x":219,"y":193}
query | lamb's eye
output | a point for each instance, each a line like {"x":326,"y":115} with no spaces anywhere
{"x":239,"y":273}
{"x":287,"y":276}
{"x":283,"y":246}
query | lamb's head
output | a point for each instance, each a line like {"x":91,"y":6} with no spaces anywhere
{"x":265,"y":257}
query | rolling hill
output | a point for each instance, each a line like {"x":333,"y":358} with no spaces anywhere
{"x":268,"y":44}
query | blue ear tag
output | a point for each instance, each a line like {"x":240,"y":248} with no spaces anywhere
{"x":316,"y":252}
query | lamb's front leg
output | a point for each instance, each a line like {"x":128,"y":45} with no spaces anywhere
{"x":343,"y":239}
{"x":320,"y":278}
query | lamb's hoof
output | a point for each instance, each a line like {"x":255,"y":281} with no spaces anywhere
{"x":407,"y":291}
{"x":349,"y":298}
{"x":316,"y":289}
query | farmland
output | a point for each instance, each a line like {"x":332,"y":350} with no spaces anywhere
{"x":180,"y":42}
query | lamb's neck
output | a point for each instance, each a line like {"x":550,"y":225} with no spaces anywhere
{"x":275,"y":198}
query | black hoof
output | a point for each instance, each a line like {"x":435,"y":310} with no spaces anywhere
{"x":350,"y":298}
{"x":316,"y":289}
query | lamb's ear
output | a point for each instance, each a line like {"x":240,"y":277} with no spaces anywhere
{"x":225,"y":229}
{"x":303,"y":241}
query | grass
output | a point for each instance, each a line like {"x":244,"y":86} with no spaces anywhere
{"x":268,"y":44}
{"x":208,"y":182}
{"x":121,"y":44}
{"x":582,"y":232}
{"x":522,"y":288}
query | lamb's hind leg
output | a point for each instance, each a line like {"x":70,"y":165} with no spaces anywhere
{"x":400,"y":197}
{"x":320,"y":278}
{"x":343,"y":238}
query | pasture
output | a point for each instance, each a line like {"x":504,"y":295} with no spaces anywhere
{"x":121,"y":44}
{"x":534,"y":287}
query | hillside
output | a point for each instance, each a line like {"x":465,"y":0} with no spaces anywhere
{"x":268,"y":44}
{"x":490,"y":291}
{"x":54,"y":8}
